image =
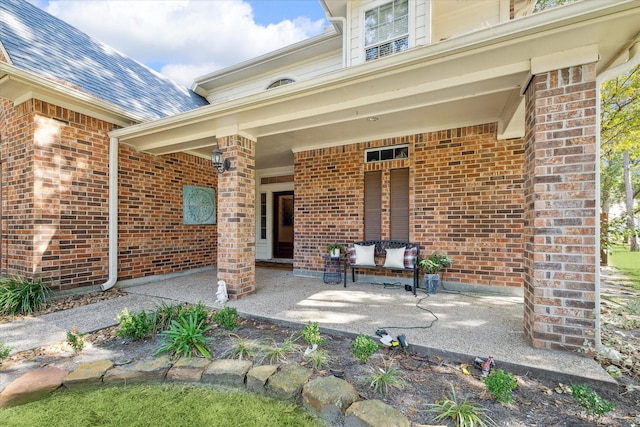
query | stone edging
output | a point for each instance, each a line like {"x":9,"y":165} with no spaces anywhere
{"x":331,"y":399}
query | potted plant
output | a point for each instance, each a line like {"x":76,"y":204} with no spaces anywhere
{"x":335,"y":249}
{"x":431,"y":266}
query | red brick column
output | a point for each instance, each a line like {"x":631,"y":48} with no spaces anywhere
{"x":236,"y":217}
{"x":560,"y":208}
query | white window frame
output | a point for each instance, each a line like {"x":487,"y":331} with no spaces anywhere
{"x":410,"y":27}
{"x":396,"y":150}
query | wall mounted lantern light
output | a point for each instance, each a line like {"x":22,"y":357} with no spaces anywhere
{"x":220,"y":164}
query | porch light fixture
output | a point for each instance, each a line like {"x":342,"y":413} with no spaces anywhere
{"x":220,"y":164}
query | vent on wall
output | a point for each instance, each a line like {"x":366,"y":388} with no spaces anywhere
{"x":387,"y":153}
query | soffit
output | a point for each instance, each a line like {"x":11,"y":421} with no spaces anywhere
{"x":472,"y":79}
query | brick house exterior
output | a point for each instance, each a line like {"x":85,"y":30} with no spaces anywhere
{"x":500,"y":123}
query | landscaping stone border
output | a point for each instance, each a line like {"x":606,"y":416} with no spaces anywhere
{"x":332,"y":400}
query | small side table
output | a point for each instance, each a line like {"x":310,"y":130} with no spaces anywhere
{"x":332,"y":270}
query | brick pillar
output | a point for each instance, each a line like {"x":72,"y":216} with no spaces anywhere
{"x":236,"y":217}
{"x":560,"y":208}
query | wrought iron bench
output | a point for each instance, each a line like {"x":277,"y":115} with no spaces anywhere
{"x":360,"y":257}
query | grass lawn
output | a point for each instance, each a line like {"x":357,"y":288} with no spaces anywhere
{"x":156,"y":405}
{"x":627,"y":262}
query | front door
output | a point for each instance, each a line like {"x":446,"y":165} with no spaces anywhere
{"x":283,"y":225}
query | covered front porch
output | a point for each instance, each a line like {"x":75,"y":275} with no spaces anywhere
{"x":460,"y":324}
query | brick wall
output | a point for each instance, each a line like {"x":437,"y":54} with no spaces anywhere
{"x":152,"y":237}
{"x":561,"y":258}
{"x":466,"y":199}
{"x":55,"y":202}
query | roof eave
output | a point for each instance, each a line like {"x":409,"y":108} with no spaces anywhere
{"x":19,"y":85}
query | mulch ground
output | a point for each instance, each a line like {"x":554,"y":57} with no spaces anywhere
{"x":536,"y":401}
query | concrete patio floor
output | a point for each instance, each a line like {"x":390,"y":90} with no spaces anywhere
{"x":461,"y":325}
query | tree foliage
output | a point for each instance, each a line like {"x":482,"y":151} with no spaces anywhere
{"x":550,"y":4}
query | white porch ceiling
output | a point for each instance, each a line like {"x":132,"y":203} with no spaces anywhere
{"x":472,"y":79}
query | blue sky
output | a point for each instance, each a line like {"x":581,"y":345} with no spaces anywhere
{"x":188,"y":38}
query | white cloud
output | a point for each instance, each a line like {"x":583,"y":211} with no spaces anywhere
{"x":182,"y":39}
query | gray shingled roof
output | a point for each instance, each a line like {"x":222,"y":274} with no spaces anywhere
{"x":44,"y":45}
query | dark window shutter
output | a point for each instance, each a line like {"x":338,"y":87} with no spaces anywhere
{"x":373,"y":205}
{"x":399,"y":189}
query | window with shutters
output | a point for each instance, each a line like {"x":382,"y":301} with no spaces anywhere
{"x":386,"y":29}
{"x":398,"y":205}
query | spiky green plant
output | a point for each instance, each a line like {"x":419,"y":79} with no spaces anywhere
{"x":184,"y":336}
{"x":278,"y":353}
{"x":242,"y":348}
{"x":385,"y":378}
{"x":19,"y":295}
{"x":462,"y":413}
{"x":319,"y":358}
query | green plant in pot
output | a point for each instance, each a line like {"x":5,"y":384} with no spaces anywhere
{"x":335,"y":249}
{"x":431,"y":266}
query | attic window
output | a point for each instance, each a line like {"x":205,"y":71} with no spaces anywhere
{"x":386,"y":29}
{"x":386,"y":153}
{"x":280,"y":82}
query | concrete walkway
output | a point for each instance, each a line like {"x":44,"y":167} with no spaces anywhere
{"x":462,"y":325}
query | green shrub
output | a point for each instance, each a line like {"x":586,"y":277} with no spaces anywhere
{"x":164,"y":314}
{"x":591,"y":401}
{"x":135,"y":326}
{"x":4,"y":350}
{"x":382,"y":380}
{"x":242,"y":348}
{"x":184,"y":336}
{"x":227,"y":318}
{"x":364,"y":347}
{"x":19,"y":295}
{"x":75,"y":339}
{"x":463,"y":414}
{"x":500,"y":384}
{"x":311,"y":334}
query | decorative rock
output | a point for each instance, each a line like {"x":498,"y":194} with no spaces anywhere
{"x":287,"y":383}
{"x":374,"y":413}
{"x":144,"y":370}
{"x":32,"y":386}
{"x":328,"y":397}
{"x":227,"y":372}
{"x":257,"y":377}
{"x":188,"y":370}
{"x":88,"y":373}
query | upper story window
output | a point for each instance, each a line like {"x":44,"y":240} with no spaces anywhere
{"x":280,"y":82}
{"x":386,"y":153}
{"x":386,"y":29}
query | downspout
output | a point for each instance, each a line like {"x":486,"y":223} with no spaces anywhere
{"x":342,"y":20}
{"x":633,"y":58}
{"x":113,"y":215}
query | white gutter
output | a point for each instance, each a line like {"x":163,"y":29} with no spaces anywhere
{"x":633,"y":58}
{"x":345,"y":49}
{"x":113,"y":215}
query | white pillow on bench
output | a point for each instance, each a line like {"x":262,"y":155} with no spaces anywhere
{"x":394,"y":258}
{"x":365,"y":255}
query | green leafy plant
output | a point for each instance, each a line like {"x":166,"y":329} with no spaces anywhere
{"x":164,"y":314}
{"x":242,"y":348}
{"x":435,"y":262}
{"x":4,"y":350}
{"x":75,"y":339}
{"x":462,"y":413}
{"x":382,"y":380}
{"x":199,"y":310}
{"x":278,"y":353}
{"x":134,"y":325}
{"x":500,"y":384}
{"x":319,"y":358}
{"x":311,"y":334}
{"x":19,"y":295}
{"x":184,"y":336}
{"x":591,"y":401}
{"x":227,"y":317}
{"x":333,"y":246}
{"x":364,"y":347}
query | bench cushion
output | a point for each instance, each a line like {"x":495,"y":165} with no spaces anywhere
{"x":394,"y":258}
{"x":365,"y":255}
{"x":410,"y":255}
